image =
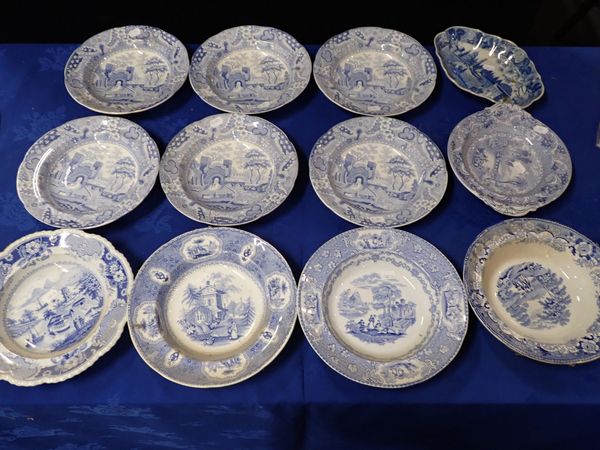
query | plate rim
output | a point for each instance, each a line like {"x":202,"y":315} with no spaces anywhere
{"x":22,"y":167}
{"x":130,"y":111}
{"x":442,"y":65}
{"x":454,"y":271}
{"x":89,"y":362}
{"x":252,"y":112}
{"x":485,"y":323}
{"x":364,"y":113}
{"x":267,"y":363}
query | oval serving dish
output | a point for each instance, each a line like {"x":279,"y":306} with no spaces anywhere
{"x":488,"y":66}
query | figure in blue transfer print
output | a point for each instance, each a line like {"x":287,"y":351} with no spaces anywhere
{"x":534,"y":296}
{"x":384,"y":318}
{"x":59,"y":313}
{"x":212,"y":318}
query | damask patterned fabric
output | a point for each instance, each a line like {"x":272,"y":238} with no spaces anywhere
{"x":297,"y":401}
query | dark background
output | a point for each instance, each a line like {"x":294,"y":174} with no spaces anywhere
{"x":528,"y":22}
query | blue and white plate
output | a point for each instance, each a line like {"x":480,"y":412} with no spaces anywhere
{"x":535,"y":285}
{"x":212,"y":307}
{"x":382,"y":307}
{"x":228,"y":169}
{"x":488,"y":66}
{"x":88,"y":172}
{"x":126,"y":70}
{"x":375,"y":71}
{"x":510,"y":160}
{"x":63,"y":297}
{"x":378,"y":171}
{"x":250,"y":69}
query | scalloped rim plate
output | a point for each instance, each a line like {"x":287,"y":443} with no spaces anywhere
{"x":65,"y":340}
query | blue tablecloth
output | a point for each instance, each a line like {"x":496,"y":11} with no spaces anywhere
{"x":487,"y":398}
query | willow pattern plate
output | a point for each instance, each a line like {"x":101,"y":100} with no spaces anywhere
{"x":378,"y":171}
{"x":535,"y":285}
{"x":63,"y":297}
{"x":488,"y":66}
{"x":250,"y":69}
{"x":228,"y":169}
{"x":375,"y":71}
{"x":510,"y":160}
{"x":126,"y":70}
{"x":88,"y":172}
{"x":212,"y":307}
{"x":382,"y":307}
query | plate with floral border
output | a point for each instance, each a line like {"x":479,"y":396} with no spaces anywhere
{"x":535,"y":285}
{"x":511,"y":161}
{"x":250,"y":69}
{"x":378,"y":171}
{"x":488,"y":66}
{"x":126,"y":70}
{"x":88,"y":172}
{"x":375,"y":71}
{"x":63,"y":297}
{"x":382,"y":307}
{"x":212,"y":307}
{"x":228,"y":169}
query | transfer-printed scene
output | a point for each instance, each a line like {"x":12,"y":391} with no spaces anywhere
{"x":54,"y":311}
{"x":230,"y":175}
{"x":506,"y":163}
{"x":373,"y":77}
{"x":90,"y":178}
{"x":374,"y":177}
{"x":250,"y":77}
{"x":218,"y":310}
{"x":534,"y":296}
{"x":376,"y":309}
{"x":125,"y":76}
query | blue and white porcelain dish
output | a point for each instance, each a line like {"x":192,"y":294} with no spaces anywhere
{"x":127,"y":69}
{"x":488,"y":66}
{"x":383,"y":308}
{"x":212,"y":307}
{"x":63,"y":297}
{"x":535,"y":285}
{"x":250,"y":69}
{"x":511,"y":161}
{"x":228,"y":169}
{"x":378,"y":171}
{"x":375,"y":71}
{"x":88,"y":172}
